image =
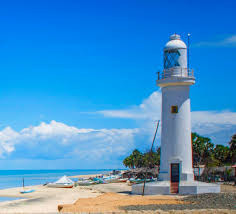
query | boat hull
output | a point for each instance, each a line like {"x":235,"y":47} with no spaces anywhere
{"x":27,"y":191}
{"x":60,"y":185}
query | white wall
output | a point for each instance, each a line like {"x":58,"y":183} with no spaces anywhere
{"x":176,"y":131}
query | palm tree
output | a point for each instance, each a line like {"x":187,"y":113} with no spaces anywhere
{"x":138,"y":158}
{"x":232,"y":148}
{"x":135,"y":160}
{"x":203,"y":150}
{"x":129,"y":162}
{"x":221,"y":153}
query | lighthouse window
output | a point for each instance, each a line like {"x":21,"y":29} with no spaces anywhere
{"x":174,"y":109}
{"x":171,"y":58}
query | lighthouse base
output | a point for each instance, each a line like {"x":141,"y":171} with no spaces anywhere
{"x":185,"y":188}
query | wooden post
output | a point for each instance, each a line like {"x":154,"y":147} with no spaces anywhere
{"x":149,"y":156}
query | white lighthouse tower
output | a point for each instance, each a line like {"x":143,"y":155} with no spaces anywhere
{"x":176,"y":170}
{"x":175,"y":82}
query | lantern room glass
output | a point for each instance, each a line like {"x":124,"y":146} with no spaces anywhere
{"x":171,"y":58}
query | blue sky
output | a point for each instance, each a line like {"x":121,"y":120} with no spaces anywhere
{"x":72,"y":67}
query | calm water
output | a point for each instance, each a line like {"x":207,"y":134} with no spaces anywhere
{"x":13,"y":178}
{"x":8,"y":199}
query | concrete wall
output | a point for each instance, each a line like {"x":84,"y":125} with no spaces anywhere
{"x":176,"y":132}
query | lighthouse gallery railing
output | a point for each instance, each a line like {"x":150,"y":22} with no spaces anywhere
{"x":175,"y":72}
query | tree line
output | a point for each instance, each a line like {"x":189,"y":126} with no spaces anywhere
{"x":204,"y":153}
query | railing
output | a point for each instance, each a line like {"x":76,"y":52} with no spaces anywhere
{"x":175,"y":72}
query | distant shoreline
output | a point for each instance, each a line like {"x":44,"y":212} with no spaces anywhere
{"x":13,"y":178}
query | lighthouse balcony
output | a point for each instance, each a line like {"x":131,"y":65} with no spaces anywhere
{"x":175,"y":76}
{"x":175,"y":72}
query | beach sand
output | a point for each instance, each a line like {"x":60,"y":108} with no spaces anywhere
{"x":110,"y":202}
{"x":43,"y":200}
{"x":105,"y":198}
{"x":116,"y":200}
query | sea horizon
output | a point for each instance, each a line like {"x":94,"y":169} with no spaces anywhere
{"x":14,"y":178}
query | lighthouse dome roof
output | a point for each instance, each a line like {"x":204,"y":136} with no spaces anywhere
{"x":175,"y":42}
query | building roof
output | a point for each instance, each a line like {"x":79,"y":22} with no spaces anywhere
{"x":175,"y":42}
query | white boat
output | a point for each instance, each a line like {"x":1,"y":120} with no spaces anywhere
{"x":27,"y":191}
{"x":24,"y":190}
{"x":63,"y":182}
{"x":112,"y":178}
{"x":85,"y":182}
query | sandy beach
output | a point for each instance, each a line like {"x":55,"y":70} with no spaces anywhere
{"x":43,"y":200}
{"x":46,"y":200}
{"x":107,"y":197}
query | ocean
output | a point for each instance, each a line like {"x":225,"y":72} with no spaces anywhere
{"x":13,"y":178}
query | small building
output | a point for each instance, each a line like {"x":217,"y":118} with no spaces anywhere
{"x":198,"y":170}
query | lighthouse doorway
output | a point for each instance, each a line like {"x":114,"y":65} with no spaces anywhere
{"x":174,"y":178}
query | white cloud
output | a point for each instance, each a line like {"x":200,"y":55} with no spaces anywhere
{"x":8,"y":138}
{"x":226,"y":42}
{"x":215,"y":117}
{"x":219,"y":125}
{"x":57,"y":140}
{"x":149,"y":108}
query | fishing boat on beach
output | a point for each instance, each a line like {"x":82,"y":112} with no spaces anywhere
{"x":112,"y":179}
{"x":27,"y":191}
{"x":132,"y":181}
{"x":85,"y":182}
{"x":63,"y":182}
{"x":23,"y":191}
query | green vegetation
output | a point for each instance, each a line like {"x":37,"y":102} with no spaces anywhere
{"x":209,"y":154}
{"x":204,"y":153}
{"x":232,"y":148}
{"x":138,"y":159}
